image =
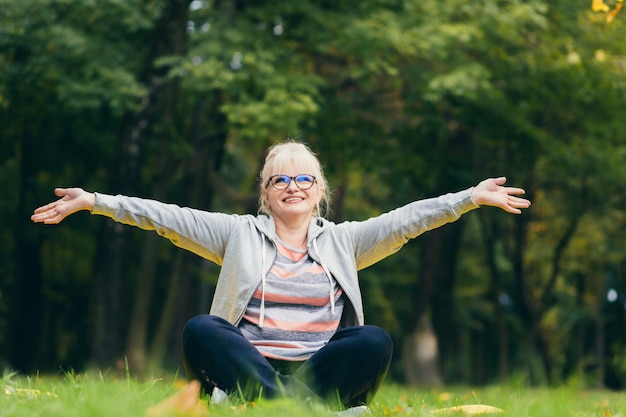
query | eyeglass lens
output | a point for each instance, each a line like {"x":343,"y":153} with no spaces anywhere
{"x":303,"y":181}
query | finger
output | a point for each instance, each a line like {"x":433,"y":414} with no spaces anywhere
{"x":520,"y":202}
{"x":43,"y":213}
{"x":51,"y":216}
{"x":511,"y":207}
{"x":54,"y":220}
{"x":514,"y":205}
{"x":54,"y":217}
{"x":60,"y":192}
{"x":514,"y":190}
{"x":47,"y":207}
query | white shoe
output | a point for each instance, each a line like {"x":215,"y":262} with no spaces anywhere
{"x":353,"y":411}
{"x":218,"y":396}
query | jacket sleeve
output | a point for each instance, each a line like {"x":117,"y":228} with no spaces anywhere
{"x":203,"y":233}
{"x":378,"y":237}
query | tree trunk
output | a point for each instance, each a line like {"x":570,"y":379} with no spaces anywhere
{"x":442,"y":300}
{"x":421,"y":356}
{"x":110,"y":280}
{"x":528,"y":310}
{"x":136,"y":348}
{"x":600,"y":337}
{"x":437,"y":270}
{"x":490,"y":231}
{"x":27,"y":298}
{"x":138,"y":328}
{"x":171,"y":110}
{"x":164,"y":330}
{"x":205,"y":164}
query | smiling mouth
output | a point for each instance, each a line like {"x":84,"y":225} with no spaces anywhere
{"x":293,"y":199}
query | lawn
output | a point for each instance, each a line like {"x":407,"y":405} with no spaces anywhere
{"x":96,"y":394}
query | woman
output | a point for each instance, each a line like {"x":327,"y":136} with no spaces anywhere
{"x":287,"y":314}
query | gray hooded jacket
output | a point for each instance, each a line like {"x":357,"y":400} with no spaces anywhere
{"x":243,"y":245}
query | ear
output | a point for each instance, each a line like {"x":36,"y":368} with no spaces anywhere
{"x":320,"y":194}
{"x":265,"y":199}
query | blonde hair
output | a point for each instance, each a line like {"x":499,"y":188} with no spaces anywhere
{"x":291,"y":153}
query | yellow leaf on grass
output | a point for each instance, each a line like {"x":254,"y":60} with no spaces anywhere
{"x":614,"y":12}
{"x":470,"y":409}
{"x":599,"y":6}
{"x":444,"y":396}
{"x":186,"y":402}
{"x":26,"y":392}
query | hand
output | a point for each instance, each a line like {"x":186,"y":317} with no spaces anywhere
{"x":491,"y":193}
{"x":72,"y":200}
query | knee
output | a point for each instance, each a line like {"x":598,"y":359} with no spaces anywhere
{"x":200,"y":326}
{"x":376,"y":341}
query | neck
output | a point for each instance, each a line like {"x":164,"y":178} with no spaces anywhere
{"x":294,"y":235}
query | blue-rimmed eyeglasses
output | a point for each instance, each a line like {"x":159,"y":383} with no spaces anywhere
{"x":280,"y":182}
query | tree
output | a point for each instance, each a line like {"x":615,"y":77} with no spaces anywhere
{"x":402,"y":100}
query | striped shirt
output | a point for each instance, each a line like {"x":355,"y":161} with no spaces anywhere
{"x":298,"y":319}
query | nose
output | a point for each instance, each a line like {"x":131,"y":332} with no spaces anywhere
{"x":292,"y":186}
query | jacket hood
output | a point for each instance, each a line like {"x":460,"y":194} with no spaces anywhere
{"x":267,"y":226}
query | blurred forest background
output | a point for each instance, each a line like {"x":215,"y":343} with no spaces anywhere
{"x":177,"y":100}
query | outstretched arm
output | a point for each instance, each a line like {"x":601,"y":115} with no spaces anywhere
{"x":490,"y":192}
{"x":71,"y":201}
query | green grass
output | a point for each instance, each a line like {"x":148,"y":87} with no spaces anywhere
{"x":95,"y":394}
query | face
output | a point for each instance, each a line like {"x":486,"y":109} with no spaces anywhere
{"x":292,"y":201}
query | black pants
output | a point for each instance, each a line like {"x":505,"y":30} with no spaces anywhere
{"x":346,"y":372}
